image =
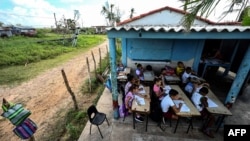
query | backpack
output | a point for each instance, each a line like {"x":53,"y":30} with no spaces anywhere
{"x":123,"y":111}
{"x":16,"y":113}
{"x":108,"y":84}
{"x":170,"y":70}
{"x":26,"y":129}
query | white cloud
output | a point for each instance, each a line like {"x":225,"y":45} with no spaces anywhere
{"x":40,"y":13}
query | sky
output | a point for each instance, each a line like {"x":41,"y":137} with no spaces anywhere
{"x":40,"y":13}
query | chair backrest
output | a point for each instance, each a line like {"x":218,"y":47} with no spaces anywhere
{"x":92,"y":112}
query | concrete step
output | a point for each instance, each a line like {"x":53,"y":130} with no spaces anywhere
{"x":124,"y":131}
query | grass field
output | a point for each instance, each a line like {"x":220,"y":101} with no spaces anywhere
{"x":22,"y":58}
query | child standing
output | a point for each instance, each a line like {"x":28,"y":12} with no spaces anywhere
{"x":200,"y":101}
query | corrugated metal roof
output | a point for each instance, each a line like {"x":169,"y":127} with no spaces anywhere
{"x":171,"y":28}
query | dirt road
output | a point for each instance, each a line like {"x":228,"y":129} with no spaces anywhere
{"x":46,"y":94}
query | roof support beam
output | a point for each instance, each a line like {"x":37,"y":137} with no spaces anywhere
{"x":112,"y":58}
{"x":239,"y":79}
{"x":177,"y":35}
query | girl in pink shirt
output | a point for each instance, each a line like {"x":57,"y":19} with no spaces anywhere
{"x":158,"y":90}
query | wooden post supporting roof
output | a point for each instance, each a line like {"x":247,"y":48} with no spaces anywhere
{"x":112,"y":48}
{"x":239,"y":79}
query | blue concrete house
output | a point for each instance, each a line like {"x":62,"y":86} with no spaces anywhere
{"x":158,"y":39}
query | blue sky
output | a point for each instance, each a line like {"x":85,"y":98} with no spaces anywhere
{"x":40,"y":13}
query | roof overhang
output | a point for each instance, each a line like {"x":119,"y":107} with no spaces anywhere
{"x":179,"y":32}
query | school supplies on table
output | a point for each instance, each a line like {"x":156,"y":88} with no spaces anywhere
{"x":184,"y":107}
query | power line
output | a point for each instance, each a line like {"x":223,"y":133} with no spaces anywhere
{"x":26,"y":15}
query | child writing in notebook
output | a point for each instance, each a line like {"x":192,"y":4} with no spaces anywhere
{"x":168,"y":107}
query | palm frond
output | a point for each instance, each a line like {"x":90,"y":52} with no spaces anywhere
{"x":204,"y":8}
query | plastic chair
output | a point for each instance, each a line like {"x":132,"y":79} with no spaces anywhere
{"x":96,"y":118}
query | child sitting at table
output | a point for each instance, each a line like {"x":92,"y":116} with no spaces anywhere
{"x":133,"y":90}
{"x":180,"y":68}
{"x":139,"y":72}
{"x":131,"y":81}
{"x":201,"y":102}
{"x":162,"y":75}
{"x":168,"y":107}
{"x":120,"y":67}
{"x":187,"y":75}
{"x":191,"y":86}
{"x":194,"y":85}
{"x":157,"y":89}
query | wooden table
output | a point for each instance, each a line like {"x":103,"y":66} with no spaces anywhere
{"x":198,"y":78}
{"x":149,"y":75}
{"x":122,"y":75}
{"x":193,"y":111}
{"x":219,"y":110}
{"x":172,"y":79}
{"x":142,"y":109}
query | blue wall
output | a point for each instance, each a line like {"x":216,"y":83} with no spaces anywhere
{"x":163,"y":49}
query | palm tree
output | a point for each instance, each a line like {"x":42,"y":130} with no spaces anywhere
{"x":246,"y":16}
{"x":107,"y":11}
{"x":205,"y":7}
{"x":118,"y":15}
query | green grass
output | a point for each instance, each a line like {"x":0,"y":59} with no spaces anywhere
{"x":21,"y":59}
{"x":70,"y":127}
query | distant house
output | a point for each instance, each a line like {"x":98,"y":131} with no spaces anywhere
{"x":21,"y":30}
{"x":5,"y":32}
{"x":100,"y":29}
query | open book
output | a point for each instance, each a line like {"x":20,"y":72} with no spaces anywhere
{"x":139,"y":100}
{"x":167,"y":88}
{"x":211,"y":103}
{"x":141,"y":90}
{"x":184,"y":107}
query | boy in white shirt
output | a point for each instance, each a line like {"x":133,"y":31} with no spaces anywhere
{"x":200,"y":101}
{"x":168,"y":107}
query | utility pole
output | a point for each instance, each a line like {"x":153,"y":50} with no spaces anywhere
{"x":55,"y":20}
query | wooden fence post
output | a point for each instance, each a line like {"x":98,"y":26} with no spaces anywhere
{"x":94,"y":63}
{"x":100,"y":61}
{"x":107,"y":49}
{"x":87,"y":60}
{"x":69,"y":89}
